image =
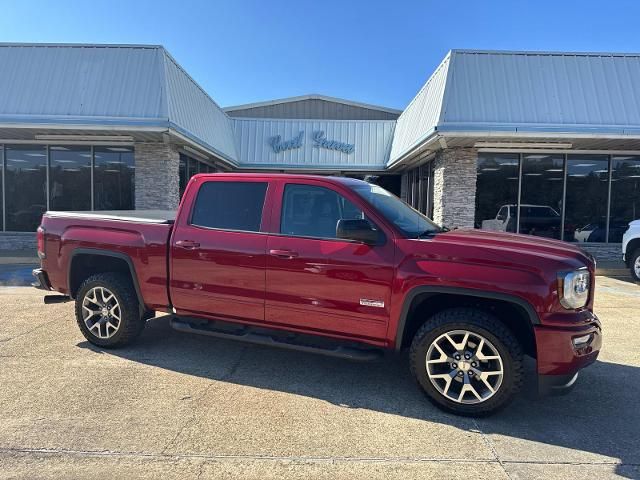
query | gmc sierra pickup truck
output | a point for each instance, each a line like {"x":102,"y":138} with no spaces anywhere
{"x":335,"y":266}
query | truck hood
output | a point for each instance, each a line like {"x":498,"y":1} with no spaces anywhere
{"x":482,"y":246}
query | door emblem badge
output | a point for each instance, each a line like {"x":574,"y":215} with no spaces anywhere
{"x":371,"y":303}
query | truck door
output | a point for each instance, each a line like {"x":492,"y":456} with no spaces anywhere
{"x":218,"y":250}
{"x":318,"y":282}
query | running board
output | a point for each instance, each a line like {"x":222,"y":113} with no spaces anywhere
{"x":276,"y":338}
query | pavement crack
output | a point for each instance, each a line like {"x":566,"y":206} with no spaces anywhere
{"x":491,"y":447}
{"x":5,"y":340}
{"x":194,"y":417}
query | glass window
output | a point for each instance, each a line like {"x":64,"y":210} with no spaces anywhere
{"x":625,"y":195}
{"x":586,"y":202}
{"x":182,"y":173}
{"x":1,"y":187}
{"x":70,"y":178}
{"x":497,"y":187}
{"x":114,"y":178}
{"x":192,"y":168}
{"x":310,"y":211}
{"x":25,"y":181}
{"x":541,"y":195}
{"x":230,"y":205}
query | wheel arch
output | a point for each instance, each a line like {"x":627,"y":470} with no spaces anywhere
{"x":432,"y":299}
{"x":84,"y":262}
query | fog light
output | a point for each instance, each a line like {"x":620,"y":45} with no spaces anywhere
{"x":583,"y":341}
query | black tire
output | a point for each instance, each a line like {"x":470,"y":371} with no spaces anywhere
{"x":634,"y":258}
{"x":131,"y":322}
{"x":489,"y":327}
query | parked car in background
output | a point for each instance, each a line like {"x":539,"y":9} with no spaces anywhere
{"x":539,"y":220}
{"x":631,"y":249}
{"x":335,"y":266}
{"x":596,"y":232}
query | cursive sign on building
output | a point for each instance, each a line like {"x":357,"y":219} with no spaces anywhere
{"x":280,"y":146}
{"x":320,"y":140}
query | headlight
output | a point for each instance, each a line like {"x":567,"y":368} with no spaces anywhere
{"x":573,"y":288}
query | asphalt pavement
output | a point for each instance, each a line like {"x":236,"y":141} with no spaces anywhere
{"x":177,"y":405}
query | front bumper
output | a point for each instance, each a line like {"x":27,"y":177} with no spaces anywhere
{"x":563,"y":351}
{"x":41,"y":280}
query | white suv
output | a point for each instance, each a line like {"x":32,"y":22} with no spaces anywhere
{"x":631,"y":249}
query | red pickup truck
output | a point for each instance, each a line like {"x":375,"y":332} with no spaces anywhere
{"x":335,"y":266}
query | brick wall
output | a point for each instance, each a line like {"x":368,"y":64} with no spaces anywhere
{"x":603,"y":251}
{"x":157,"y":176}
{"x":18,"y":241}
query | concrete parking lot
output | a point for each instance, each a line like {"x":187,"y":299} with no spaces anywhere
{"x":178,"y":406}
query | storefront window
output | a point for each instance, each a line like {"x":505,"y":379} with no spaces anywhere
{"x":188,"y":168}
{"x":625,"y":195}
{"x":587,"y":192}
{"x":497,"y":192}
{"x":114,"y":178}
{"x":26,"y":188}
{"x":541,"y":195}
{"x":70,"y":178}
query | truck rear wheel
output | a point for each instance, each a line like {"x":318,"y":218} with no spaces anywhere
{"x":107,"y":310}
{"x":467,"y":362}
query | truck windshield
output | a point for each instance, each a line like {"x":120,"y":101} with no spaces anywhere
{"x":412,"y":223}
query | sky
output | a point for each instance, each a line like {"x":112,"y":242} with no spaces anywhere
{"x":378,"y":52}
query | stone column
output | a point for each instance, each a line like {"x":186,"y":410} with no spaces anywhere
{"x":157,"y":176}
{"x":454,"y":187}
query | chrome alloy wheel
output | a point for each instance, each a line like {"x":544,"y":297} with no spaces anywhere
{"x":101,"y":312}
{"x":636,"y":267}
{"x":464,"y":366}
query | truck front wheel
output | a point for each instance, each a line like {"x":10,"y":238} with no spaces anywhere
{"x":467,"y":362}
{"x":107,"y":310}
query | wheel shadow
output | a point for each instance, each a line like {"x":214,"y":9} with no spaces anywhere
{"x":599,"y":416}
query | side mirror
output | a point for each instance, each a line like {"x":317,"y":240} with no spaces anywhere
{"x":357,"y":230}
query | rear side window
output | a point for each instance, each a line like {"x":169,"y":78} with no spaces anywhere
{"x":230,"y":205}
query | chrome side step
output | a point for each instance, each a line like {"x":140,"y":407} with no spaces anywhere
{"x":276,"y":338}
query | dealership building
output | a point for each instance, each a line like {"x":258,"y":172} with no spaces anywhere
{"x":542,"y":143}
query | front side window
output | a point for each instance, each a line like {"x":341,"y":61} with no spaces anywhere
{"x":230,"y":205}
{"x":311,"y":211}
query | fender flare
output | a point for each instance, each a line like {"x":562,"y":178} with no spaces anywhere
{"x":469,"y":292}
{"x":107,"y":253}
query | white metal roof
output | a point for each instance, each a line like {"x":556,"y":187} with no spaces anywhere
{"x":311,"y":96}
{"x":494,"y":92}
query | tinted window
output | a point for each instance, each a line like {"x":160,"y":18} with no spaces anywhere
{"x":625,"y":195}
{"x":26,"y":187}
{"x":541,"y":195}
{"x":70,"y":178}
{"x":230,"y":205}
{"x":497,"y":185}
{"x":309,"y":211}
{"x":114,"y":178}
{"x":587,"y":190}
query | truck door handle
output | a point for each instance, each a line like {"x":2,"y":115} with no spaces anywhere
{"x":283,"y":253}
{"x":187,"y":244}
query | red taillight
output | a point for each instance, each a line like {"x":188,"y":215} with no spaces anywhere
{"x":40,"y":237}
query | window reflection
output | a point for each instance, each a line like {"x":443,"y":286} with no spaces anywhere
{"x":587,"y":192}
{"x":114,"y":178}
{"x":70,"y":178}
{"x":497,"y":192}
{"x":625,"y":195}
{"x":25,"y":183}
{"x":189,"y":167}
{"x":541,"y":195}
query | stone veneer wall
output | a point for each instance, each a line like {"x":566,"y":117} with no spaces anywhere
{"x":454,"y":187}
{"x":157,"y":176}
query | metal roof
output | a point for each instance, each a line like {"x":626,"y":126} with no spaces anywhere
{"x":311,"y":96}
{"x":496,"y":92}
{"x":371,"y":140}
{"x":111,"y":85}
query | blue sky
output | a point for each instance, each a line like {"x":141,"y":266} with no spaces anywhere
{"x":373,"y":51}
